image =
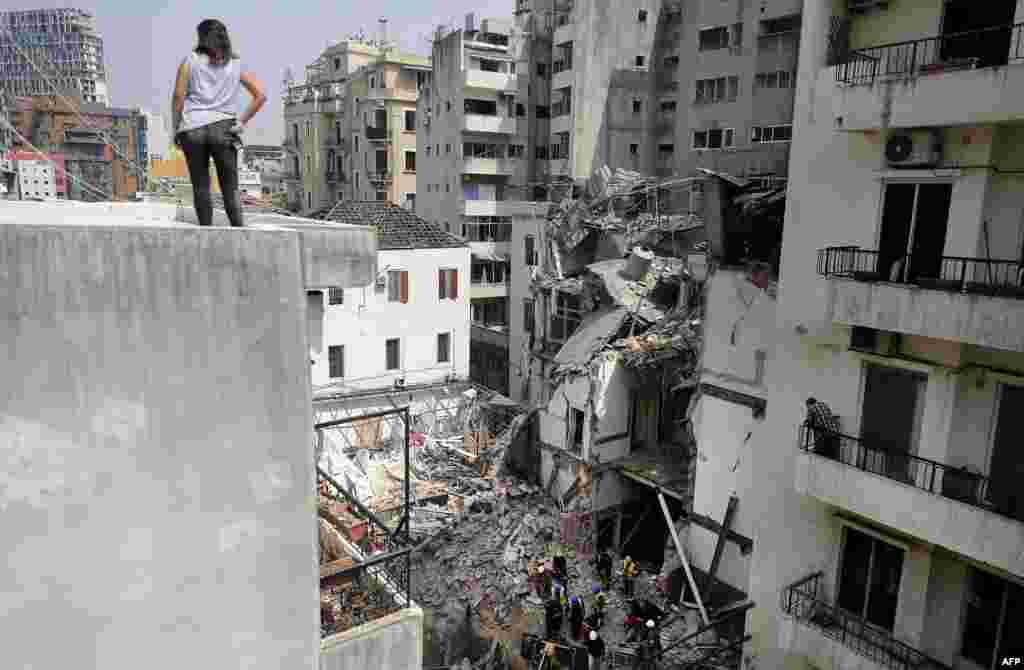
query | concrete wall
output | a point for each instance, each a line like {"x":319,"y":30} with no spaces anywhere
{"x":157,"y":425}
{"x":609,"y":438}
{"x":366,"y":319}
{"x":393,"y":642}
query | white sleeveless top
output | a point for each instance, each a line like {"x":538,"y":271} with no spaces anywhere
{"x":212,"y":93}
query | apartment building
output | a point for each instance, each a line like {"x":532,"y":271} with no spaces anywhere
{"x":63,"y":43}
{"x":410,"y":326}
{"x":350,"y":128}
{"x":483,"y":126}
{"x":895,"y":539}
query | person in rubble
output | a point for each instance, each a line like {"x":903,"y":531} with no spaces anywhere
{"x":630,"y":570}
{"x":576,"y":613}
{"x":545,"y":581}
{"x":595,"y":650}
{"x":600,"y":604}
{"x":552,"y":615}
{"x":825,"y":427}
{"x":557,"y":619}
{"x":561,"y":569}
{"x":604,"y":568}
{"x":206,"y":119}
{"x":648,"y":649}
{"x":634,"y":626}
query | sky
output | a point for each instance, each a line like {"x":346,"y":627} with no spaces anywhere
{"x":145,"y":40}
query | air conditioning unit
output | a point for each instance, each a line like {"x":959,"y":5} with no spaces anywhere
{"x":871,"y":341}
{"x":914,"y":149}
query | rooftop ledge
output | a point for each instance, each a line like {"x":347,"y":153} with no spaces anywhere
{"x":333,"y":255}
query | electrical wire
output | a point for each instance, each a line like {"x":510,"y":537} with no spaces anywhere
{"x":14,"y":42}
{"x":81,"y":182}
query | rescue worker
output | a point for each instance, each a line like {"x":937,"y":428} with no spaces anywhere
{"x":629,"y":572}
{"x":546,"y":581}
{"x":647,"y":651}
{"x":604,"y":568}
{"x":552,"y":619}
{"x":600,"y":603}
{"x":557,"y":619}
{"x":551,"y":662}
{"x":595,"y":650}
{"x":576,"y":612}
{"x":561,"y":569}
{"x":632,"y":624}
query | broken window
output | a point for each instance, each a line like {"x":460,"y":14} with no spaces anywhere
{"x":391,"y":353}
{"x":336,"y":361}
{"x":869,"y":578}
{"x":567,"y":316}
{"x":335,"y":296}
{"x":444,"y":346}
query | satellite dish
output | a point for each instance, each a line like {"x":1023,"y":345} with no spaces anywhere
{"x":899,"y":148}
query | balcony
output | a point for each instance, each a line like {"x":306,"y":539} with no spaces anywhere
{"x":491,"y":81}
{"x":488,"y":289}
{"x":830,"y":637}
{"x":491,"y":166}
{"x":483,"y":123}
{"x":940,"y":81}
{"x":375,"y":134}
{"x":403,"y":94}
{"x":562,"y":74}
{"x":380,"y":178}
{"x":972,"y":300}
{"x":490,"y":249}
{"x":940,"y":504}
{"x":504,"y":208}
{"x":565,"y":32}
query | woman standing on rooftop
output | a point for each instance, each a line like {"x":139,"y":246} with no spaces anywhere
{"x":206,"y":120}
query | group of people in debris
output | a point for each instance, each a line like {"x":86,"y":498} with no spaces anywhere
{"x":641,"y":623}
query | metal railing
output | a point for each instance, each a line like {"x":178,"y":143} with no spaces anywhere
{"x":366,"y":591}
{"x":962,"y":274}
{"x":804,"y":601}
{"x":923,"y":473}
{"x":968,"y":49}
{"x":380,"y":177}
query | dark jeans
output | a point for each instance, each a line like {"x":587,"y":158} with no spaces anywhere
{"x":200,"y":145}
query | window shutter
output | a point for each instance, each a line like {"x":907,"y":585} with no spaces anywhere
{"x":404,"y":288}
{"x":455,"y":284}
{"x":441,"y":288}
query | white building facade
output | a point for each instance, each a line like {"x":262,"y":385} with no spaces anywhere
{"x":410,"y":327}
{"x":900,"y":542}
{"x":36,"y":179}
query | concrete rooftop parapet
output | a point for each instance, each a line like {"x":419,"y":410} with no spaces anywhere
{"x":333,"y":255}
{"x":155,"y":432}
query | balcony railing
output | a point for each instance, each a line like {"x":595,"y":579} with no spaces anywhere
{"x":987,"y":47}
{"x":366,"y":591}
{"x":1003,"y":278}
{"x":380,"y":177}
{"x":561,"y":65}
{"x":803,"y":600}
{"x":922,"y":473}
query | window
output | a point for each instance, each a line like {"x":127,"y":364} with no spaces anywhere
{"x":337,"y":63}
{"x":637,"y":106}
{"x":543,"y":112}
{"x":530,"y":250}
{"x":542,"y":69}
{"x":869,"y":578}
{"x":520,"y":109}
{"x":381,"y":196}
{"x":448,"y":106}
{"x":428,"y":150}
{"x":410,"y":161}
{"x":567,"y":316}
{"x":516,"y":150}
{"x":447,"y":148}
{"x":716,"y":138}
{"x":542,"y":153}
{"x":641,"y":16}
{"x":780,"y":133}
{"x":992,"y":605}
{"x":410,"y":120}
{"x":410,"y":202}
{"x":640,"y":60}
{"x":634,"y":149}
{"x":671,"y":62}
{"x":575,"y":422}
{"x":444,"y":347}
{"x":398,"y":286}
{"x":309,"y":199}
{"x":666,"y":150}
{"x":668,"y":106}
{"x":336,"y":361}
{"x":391,"y":353}
{"x":718,"y":89}
{"x":335,"y":296}
{"x":529,"y":322}
{"x":782,"y":24}
{"x":720,"y":37}
{"x":448,"y":284}
{"x":777,"y":79}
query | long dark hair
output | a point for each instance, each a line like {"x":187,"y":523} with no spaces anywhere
{"x":214,"y":41}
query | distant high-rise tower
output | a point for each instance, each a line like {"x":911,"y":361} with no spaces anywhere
{"x":64,"y":46}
